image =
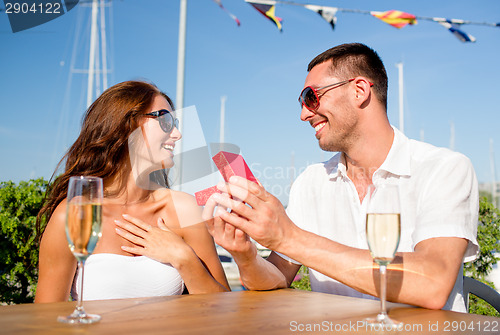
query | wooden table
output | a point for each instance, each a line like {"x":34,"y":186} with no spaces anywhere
{"x":275,"y":312}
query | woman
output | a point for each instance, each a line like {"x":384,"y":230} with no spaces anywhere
{"x":128,"y":133}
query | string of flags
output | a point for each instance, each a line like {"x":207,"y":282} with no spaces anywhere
{"x":395,"y":18}
{"x":228,"y":12}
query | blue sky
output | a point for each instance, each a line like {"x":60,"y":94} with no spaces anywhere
{"x":260,"y":70}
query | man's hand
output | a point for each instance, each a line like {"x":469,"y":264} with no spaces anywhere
{"x":234,"y":240}
{"x":259,"y":214}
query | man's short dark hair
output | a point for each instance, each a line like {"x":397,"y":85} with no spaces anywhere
{"x":356,"y":59}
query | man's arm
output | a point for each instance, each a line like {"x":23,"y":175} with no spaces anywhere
{"x":433,"y":265}
{"x":256,"y":273}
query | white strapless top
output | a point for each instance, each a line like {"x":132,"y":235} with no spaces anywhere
{"x":112,"y":276}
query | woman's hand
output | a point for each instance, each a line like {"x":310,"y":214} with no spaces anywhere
{"x":233,"y":239}
{"x":163,"y":245}
{"x":159,"y":243}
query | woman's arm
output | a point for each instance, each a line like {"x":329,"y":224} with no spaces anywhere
{"x":202,"y":243}
{"x":194,"y":231}
{"x":57,"y":265}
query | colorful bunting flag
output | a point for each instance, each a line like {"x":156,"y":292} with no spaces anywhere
{"x":328,"y":13}
{"x":267,"y":8}
{"x":454,"y":28}
{"x":395,"y":18}
{"x":228,"y":12}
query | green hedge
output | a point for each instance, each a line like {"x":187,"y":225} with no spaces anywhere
{"x":19,"y":206}
{"x":488,"y":237}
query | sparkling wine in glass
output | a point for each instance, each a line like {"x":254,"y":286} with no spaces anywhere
{"x":383,"y":231}
{"x":83,"y":230}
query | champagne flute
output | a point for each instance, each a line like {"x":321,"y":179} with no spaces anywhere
{"x":83,"y":230}
{"x":383,"y":231}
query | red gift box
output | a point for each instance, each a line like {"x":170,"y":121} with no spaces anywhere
{"x":229,"y":164}
{"x":203,"y":195}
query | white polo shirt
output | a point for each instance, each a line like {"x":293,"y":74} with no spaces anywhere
{"x":438,"y":193}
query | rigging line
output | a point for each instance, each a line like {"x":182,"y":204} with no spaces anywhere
{"x":61,"y":135}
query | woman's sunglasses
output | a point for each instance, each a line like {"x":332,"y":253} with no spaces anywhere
{"x":166,"y":120}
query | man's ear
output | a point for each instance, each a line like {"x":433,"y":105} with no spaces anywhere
{"x":362,"y":91}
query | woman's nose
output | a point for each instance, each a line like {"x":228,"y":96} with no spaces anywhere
{"x":175,"y":134}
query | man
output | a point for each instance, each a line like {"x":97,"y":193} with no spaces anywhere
{"x":323,"y":228}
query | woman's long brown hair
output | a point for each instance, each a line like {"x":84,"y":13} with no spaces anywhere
{"x":101,"y":149}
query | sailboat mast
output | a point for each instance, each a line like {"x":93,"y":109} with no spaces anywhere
{"x":92,"y":58}
{"x":181,"y":69}
{"x":493,"y":175}
{"x":97,"y":72}
{"x":222,"y":119}
{"x":452,"y":136}
{"x":401,"y":111}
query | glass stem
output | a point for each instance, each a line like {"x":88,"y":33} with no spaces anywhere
{"x":79,"y":305}
{"x":383,"y":288}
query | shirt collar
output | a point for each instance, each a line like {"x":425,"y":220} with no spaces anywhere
{"x":398,"y":160}
{"x":335,"y":167}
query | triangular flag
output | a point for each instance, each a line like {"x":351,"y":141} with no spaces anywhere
{"x":229,"y":13}
{"x":395,"y":18}
{"x":454,"y":28}
{"x":327,"y":13}
{"x":267,"y":9}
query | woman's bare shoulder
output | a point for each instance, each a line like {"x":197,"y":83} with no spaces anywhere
{"x":54,"y":232}
{"x":58,"y":217}
{"x":182,"y":199}
{"x":186,"y":209}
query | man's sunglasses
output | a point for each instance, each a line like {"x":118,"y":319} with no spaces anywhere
{"x":309,"y":96}
{"x":166,"y":120}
